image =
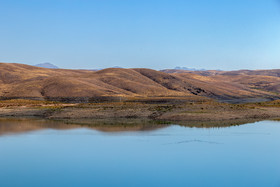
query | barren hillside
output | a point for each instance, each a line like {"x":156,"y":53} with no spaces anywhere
{"x":24,"y":81}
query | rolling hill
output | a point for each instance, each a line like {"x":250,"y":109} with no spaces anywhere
{"x":24,"y":81}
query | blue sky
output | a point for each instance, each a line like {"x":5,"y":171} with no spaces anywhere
{"x":158,"y":34}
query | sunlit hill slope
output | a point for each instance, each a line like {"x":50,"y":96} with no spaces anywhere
{"x":24,"y":81}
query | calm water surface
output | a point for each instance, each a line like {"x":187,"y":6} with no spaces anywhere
{"x":42,"y":154}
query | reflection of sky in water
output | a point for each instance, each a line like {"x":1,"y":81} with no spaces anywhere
{"x":246,"y":155}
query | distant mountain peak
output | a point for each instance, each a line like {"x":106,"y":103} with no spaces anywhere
{"x":190,"y":69}
{"x":116,"y":67}
{"x":47,"y":65}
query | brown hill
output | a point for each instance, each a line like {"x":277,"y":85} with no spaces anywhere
{"x":250,"y":80}
{"x":23,"y":81}
{"x":265,"y":80}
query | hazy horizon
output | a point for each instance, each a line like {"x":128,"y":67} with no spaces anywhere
{"x":231,"y":35}
{"x":176,"y":67}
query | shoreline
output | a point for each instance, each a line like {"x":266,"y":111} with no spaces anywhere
{"x":206,"y":111}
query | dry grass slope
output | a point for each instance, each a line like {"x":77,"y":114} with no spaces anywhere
{"x":24,"y":81}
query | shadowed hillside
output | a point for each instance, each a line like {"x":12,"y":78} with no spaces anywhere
{"x":24,"y":81}
{"x":254,"y":81}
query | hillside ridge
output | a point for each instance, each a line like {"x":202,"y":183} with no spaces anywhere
{"x":25,"y":81}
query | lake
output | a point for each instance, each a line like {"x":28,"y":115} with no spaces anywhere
{"x":47,"y":153}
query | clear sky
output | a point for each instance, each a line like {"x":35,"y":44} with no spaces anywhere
{"x":158,"y":34}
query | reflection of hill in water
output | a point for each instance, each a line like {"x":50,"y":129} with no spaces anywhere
{"x":216,"y":124}
{"x":14,"y":126}
{"x":23,"y":125}
{"x":11,"y":126}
